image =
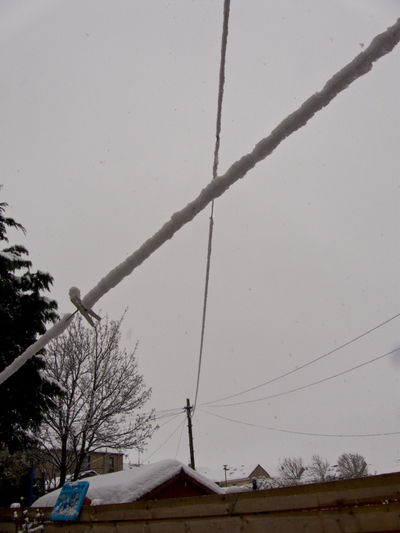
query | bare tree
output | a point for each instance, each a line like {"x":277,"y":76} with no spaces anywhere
{"x":352,"y":465}
{"x":103,"y":392}
{"x":291,"y":469}
{"x":319,"y":469}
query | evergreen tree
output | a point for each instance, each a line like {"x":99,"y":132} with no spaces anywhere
{"x":24,"y":313}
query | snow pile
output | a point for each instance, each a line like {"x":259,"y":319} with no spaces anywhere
{"x":130,"y":485}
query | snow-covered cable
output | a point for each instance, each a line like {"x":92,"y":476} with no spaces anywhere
{"x":34,"y":348}
{"x":88,"y":314}
{"x":381,"y":45}
{"x":224,"y":43}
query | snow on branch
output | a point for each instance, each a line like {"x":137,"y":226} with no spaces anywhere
{"x":381,"y":45}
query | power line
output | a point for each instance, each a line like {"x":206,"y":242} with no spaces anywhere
{"x":159,"y":415}
{"x":179,"y":441}
{"x":172,"y":409}
{"x":171,"y":419}
{"x":302,"y":387}
{"x":305,"y":433}
{"x":163,"y":413}
{"x":178,"y":410}
{"x":281,"y":430}
{"x":305,"y":365}
{"x":309,"y":363}
{"x":167,"y":439}
{"x":224,"y":42}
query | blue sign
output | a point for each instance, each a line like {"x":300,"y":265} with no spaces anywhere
{"x":70,"y":501}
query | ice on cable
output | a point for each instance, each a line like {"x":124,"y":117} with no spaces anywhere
{"x":75,"y":297}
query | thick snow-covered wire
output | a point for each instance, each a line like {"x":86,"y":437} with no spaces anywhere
{"x":381,"y":45}
{"x":34,"y":348}
{"x":224,"y":42}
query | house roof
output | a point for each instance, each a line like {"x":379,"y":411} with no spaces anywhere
{"x":232,"y":472}
{"x":131,"y":485}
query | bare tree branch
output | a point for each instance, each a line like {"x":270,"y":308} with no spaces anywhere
{"x":319,"y":469}
{"x":103,"y":394}
{"x":352,"y":465}
{"x":291,"y":469}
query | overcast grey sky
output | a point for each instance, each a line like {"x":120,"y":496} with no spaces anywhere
{"x":108,"y":119}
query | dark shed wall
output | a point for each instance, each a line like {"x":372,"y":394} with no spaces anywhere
{"x":180,"y":486}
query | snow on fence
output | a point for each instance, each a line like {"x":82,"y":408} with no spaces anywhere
{"x":356,"y":506}
{"x":381,"y":45}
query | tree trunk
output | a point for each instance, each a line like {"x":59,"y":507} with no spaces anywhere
{"x":80,"y":457}
{"x":63,"y":461}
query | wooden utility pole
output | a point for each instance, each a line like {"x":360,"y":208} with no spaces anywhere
{"x":188,"y":409}
{"x":226,"y":478}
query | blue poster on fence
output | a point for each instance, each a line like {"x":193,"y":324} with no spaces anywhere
{"x":70,"y":501}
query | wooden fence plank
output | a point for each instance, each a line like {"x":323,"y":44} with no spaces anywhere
{"x":350,"y":506}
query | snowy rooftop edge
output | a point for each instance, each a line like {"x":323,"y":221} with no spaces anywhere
{"x":130,"y":485}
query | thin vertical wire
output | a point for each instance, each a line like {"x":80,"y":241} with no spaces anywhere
{"x":224,"y":42}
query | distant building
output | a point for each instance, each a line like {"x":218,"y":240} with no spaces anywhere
{"x":98,"y":462}
{"x":103,"y":462}
{"x":236,"y":476}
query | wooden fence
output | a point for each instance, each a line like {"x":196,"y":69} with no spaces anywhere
{"x":369,"y":504}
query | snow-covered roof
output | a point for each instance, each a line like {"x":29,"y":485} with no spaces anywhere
{"x":130,"y":485}
{"x":106,"y":451}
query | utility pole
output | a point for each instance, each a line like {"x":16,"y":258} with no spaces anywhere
{"x":188,"y":410}
{"x":226,"y":479}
